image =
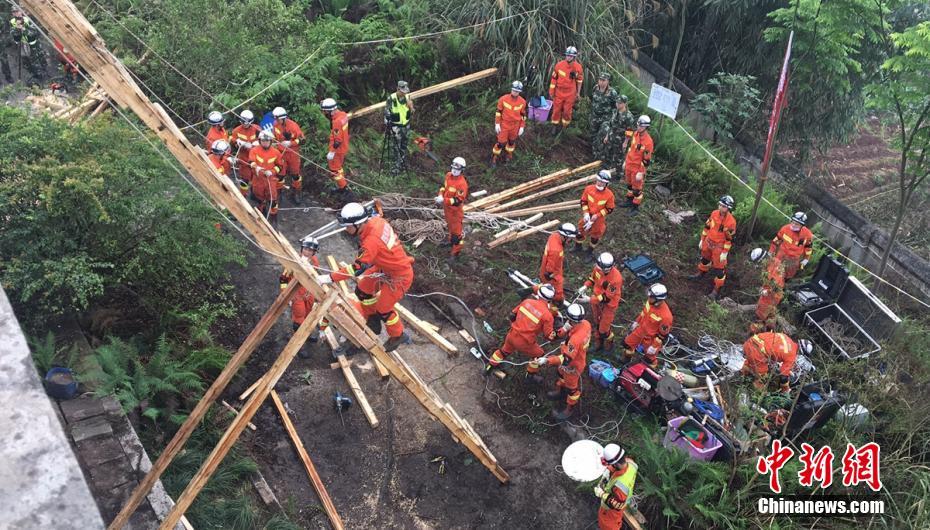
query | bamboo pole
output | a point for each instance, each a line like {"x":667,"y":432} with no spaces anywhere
{"x":518,"y":226}
{"x":318,"y":486}
{"x":445,"y":85}
{"x":540,"y":194}
{"x":530,"y":186}
{"x":554,"y":207}
{"x":521,"y":235}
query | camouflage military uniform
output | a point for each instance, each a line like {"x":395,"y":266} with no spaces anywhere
{"x":617,"y":130}
{"x":25,"y":35}
{"x":397,"y":111}
{"x":603,"y":105}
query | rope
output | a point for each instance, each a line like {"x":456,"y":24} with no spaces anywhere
{"x":731,"y":173}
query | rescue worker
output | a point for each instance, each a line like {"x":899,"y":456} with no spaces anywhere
{"x":397,"y":111}
{"x":603,"y":104}
{"x":552,"y":269}
{"x":571,"y":361}
{"x":615,"y":134}
{"x":793,"y":245}
{"x":564,"y":89}
{"x":383,"y":271}
{"x":531,"y":318}
{"x":772,"y":293}
{"x":244,"y":136}
{"x":716,"y":241}
{"x":219,"y":157}
{"x":302,"y":302}
{"x":338,"y":142}
{"x":606,"y":280}
{"x":597,"y":202}
{"x":615,"y":489}
{"x":25,"y":35}
{"x":637,"y":160}
{"x":288,"y":136}
{"x":69,"y":66}
{"x":452,"y":197}
{"x":651,"y":328}
{"x":266,"y":162}
{"x":509,"y":122}
{"x":216,"y":131}
{"x":770,"y":347}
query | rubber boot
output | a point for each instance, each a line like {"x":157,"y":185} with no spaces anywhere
{"x":589,"y":255}
{"x":564,"y":414}
{"x":493,"y":161}
{"x":715,"y":294}
{"x":634,"y":210}
{"x":578,"y":248}
{"x":696,"y":276}
{"x":315,"y":336}
{"x":374,"y":324}
{"x":556,"y":394}
{"x":534,"y":379}
{"x":392,"y":343}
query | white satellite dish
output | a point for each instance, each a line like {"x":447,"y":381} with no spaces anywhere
{"x":581,"y":461}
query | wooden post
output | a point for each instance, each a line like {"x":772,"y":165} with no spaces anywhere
{"x":521,"y":235}
{"x":546,"y":208}
{"x":540,"y":194}
{"x":522,"y":225}
{"x":68,"y":25}
{"x":445,"y":85}
{"x":247,"y":413}
{"x":216,"y":389}
{"x":346,"y":367}
{"x":530,"y":186}
{"x":308,"y":464}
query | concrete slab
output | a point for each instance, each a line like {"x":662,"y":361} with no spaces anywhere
{"x":81,"y":408}
{"x":90,"y":428}
{"x":95,"y":452}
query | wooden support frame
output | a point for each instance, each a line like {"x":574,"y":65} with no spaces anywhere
{"x":524,"y":233}
{"x":346,"y":368}
{"x":333,"y":266}
{"x":445,"y":85}
{"x":64,"y":21}
{"x":315,"y":480}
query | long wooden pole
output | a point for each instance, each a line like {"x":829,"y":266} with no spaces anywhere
{"x":540,"y":194}
{"x":321,"y":492}
{"x":247,"y":413}
{"x":445,"y":85}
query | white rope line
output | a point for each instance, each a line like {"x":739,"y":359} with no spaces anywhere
{"x":437,"y":33}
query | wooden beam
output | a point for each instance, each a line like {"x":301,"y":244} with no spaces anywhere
{"x":382,"y":371}
{"x":248,"y":412}
{"x":308,"y":465}
{"x":346,"y":367}
{"x":445,"y":85}
{"x":522,"y":225}
{"x":546,"y":208}
{"x":521,"y":235}
{"x":333,"y":266}
{"x":530,"y":186}
{"x":63,"y":21}
{"x":540,"y":194}
{"x":235,"y":412}
{"x":216,"y":389}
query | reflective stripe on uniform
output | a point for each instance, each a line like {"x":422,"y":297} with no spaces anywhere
{"x":526,"y":312}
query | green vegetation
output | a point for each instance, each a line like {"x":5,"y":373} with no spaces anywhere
{"x":732,"y":104}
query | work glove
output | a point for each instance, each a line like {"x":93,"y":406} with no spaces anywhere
{"x":269,"y":172}
{"x":325,"y":279}
{"x":438,"y":199}
{"x":254,"y":144}
{"x":233,"y":160}
{"x":330,"y":155}
{"x":700,"y":245}
{"x":582,"y":290}
{"x":723,"y":257}
{"x":599,"y":492}
{"x":552,"y":336}
{"x":652,"y":350}
{"x":593,"y":217}
{"x":386,"y":121}
{"x":639,"y":176}
{"x":634,"y":325}
{"x":497,"y":128}
{"x":243,"y":143}
{"x":395,"y":129}
{"x":540,"y":362}
{"x":588,"y":225}
{"x":587,"y":218}
{"x":520,"y":132}
{"x":584,"y":299}
{"x":286,"y":143}
{"x":804,"y":263}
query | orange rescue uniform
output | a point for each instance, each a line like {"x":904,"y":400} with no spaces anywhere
{"x":531,"y":318}
{"x":571,"y":360}
{"x":221,"y":163}
{"x":763,"y":348}
{"x":511,"y":116}
{"x":383,"y":271}
{"x":773,"y":291}
{"x":339,"y":145}
{"x":289,"y":131}
{"x":791,"y":247}
{"x":216,"y":132}
{"x":650,"y":331}
{"x":716,"y":241}
{"x":638,"y":158}
{"x":454,"y":193}
{"x":608,"y":291}
{"x":242,"y":139}
{"x":551,"y":270}
{"x":564,"y":88}
{"x":598,"y":204}
{"x":264,"y":187}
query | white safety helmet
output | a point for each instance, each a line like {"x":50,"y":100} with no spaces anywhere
{"x":279,"y":112}
{"x":605,"y":260}
{"x":657,"y":291}
{"x":458,"y":163}
{"x":247,"y":118}
{"x":219,"y":147}
{"x":310,"y":242}
{"x":353,"y":214}
{"x":215,"y":117}
{"x":756,"y":254}
{"x":644,"y":121}
{"x":516,"y":85}
{"x":800,"y":218}
{"x":604,"y":176}
{"x":575,"y":312}
{"x":546,"y":292}
{"x":805,"y":346}
{"x":328,"y":105}
{"x":265,"y":134}
{"x":613,"y":455}
{"x":568,"y":230}
{"x":727,"y":201}
{"x":571,"y":51}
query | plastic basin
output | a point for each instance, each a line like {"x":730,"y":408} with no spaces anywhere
{"x":673,"y":438}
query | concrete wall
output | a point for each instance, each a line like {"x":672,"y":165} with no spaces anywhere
{"x":846,"y":230}
{"x":41,"y":485}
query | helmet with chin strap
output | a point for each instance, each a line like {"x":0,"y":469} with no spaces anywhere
{"x":353,"y":214}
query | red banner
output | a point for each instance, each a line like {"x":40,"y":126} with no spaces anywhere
{"x":781,"y":99}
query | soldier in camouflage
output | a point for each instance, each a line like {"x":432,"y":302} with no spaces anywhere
{"x":603,"y":99}
{"x":615,"y":135}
